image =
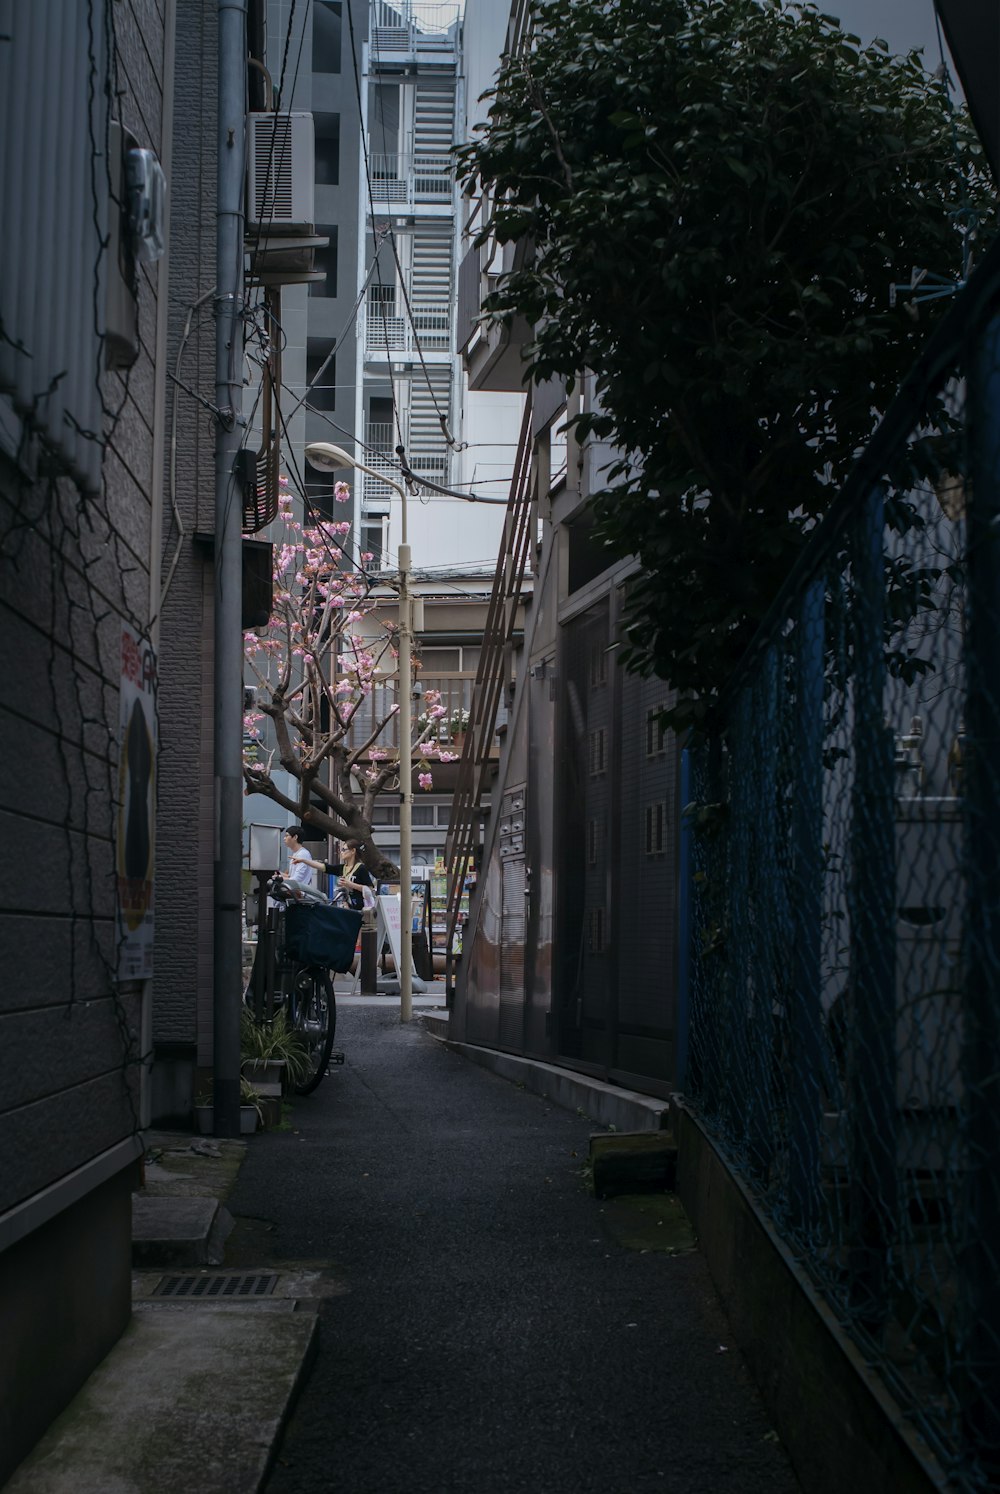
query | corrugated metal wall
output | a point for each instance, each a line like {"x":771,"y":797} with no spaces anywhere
{"x":616,"y":858}
{"x":583,"y":934}
{"x":646,"y":884}
{"x":54,"y":190}
{"x":574,"y":955}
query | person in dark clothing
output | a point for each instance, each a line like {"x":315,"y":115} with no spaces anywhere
{"x":352,"y":875}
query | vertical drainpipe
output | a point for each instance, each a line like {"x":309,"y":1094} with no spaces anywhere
{"x":159,"y":449}
{"x":228,"y":740}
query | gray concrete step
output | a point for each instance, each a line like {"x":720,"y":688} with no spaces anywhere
{"x":187,"y":1400}
{"x":175,"y":1231}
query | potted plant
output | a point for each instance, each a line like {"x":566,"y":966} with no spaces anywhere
{"x":204,"y":1114}
{"x":458,"y":725}
{"x":272,"y":1053}
{"x":251,"y":1110}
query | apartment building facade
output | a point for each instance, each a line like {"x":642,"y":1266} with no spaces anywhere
{"x":86,"y":100}
{"x":368,"y":360}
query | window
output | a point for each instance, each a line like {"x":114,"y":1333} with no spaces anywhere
{"x":327,"y":128}
{"x":437,"y":659}
{"x":656,"y":816}
{"x":381,"y":432}
{"x":383,"y":114}
{"x":593,"y":841}
{"x":327,"y":35}
{"x":373,"y":543}
{"x":598,"y":666}
{"x":324,"y":395}
{"x":558,"y":450}
{"x":319,"y":491}
{"x":385,"y":814}
{"x":422,"y":814}
{"x":598,"y":760}
{"x":656,"y":732}
{"x":326,"y":260}
{"x":597,"y":930}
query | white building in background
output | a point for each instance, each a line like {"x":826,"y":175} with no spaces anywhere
{"x":369,"y":349}
{"x":369,"y":359}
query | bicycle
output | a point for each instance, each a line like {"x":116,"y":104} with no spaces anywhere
{"x":304,"y":937}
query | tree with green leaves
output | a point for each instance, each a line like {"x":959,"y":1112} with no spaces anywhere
{"x":717,"y":197}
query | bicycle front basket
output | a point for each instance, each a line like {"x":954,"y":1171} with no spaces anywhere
{"x":322,"y":936}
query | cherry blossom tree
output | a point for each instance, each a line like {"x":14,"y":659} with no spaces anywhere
{"x":322,"y":663}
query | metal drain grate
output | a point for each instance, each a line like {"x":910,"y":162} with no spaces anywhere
{"x":229,"y":1284}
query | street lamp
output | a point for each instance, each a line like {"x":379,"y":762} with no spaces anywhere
{"x":330,"y":458}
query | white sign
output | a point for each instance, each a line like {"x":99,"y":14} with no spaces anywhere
{"x":387,"y":924}
{"x":135,"y":837}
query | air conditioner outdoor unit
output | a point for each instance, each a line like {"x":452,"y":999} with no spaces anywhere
{"x":281,"y":154}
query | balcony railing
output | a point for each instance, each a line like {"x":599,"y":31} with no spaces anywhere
{"x":413,"y":25}
{"x":381,"y":458}
{"x":408,"y":179}
{"x":456,"y":695}
{"x":380,"y":436}
{"x":387,"y":332}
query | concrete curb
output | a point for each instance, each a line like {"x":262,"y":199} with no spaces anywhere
{"x":606,"y":1105}
{"x":188,"y":1399}
{"x":196,"y":1392}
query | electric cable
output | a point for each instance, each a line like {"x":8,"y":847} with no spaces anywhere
{"x":371,"y":208}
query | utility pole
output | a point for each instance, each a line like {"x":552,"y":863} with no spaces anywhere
{"x":228,"y":739}
{"x":405,"y":971}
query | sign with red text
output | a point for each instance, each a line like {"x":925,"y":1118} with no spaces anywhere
{"x":136,"y":828}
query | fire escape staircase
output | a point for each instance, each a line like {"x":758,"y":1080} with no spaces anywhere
{"x":487,"y":692}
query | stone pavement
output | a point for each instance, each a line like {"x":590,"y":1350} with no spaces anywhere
{"x":194,"y":1394}
{"x":453,"y":1309}
{"x":498,"y":1329}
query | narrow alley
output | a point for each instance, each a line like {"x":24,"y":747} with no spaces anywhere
{"x":490,"y":1335}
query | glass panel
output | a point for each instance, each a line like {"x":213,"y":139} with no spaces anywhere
{"x":327,"y":149}
{"x":441,"y":658}
{"x":324,"y":395}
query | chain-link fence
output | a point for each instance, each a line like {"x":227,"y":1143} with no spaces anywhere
{"x":845,"y":995}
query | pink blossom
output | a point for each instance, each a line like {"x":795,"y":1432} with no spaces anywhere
{"x":425,"y":780}
{"x":341,"y":492}
{"x":448,"y":757}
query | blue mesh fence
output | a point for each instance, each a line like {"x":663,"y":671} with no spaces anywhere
{"x":845,"y":953}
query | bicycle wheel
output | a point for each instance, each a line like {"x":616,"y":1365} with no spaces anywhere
{"x":314,"y":1018}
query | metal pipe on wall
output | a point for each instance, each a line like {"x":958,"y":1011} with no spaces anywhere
{"x":228,"y":735}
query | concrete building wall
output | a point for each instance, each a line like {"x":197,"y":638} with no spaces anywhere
{"x":79,"y":557}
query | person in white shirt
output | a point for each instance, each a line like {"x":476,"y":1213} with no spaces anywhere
{"x":300,"y":864}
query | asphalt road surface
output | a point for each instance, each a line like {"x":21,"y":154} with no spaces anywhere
{"x":492,"y":1337}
